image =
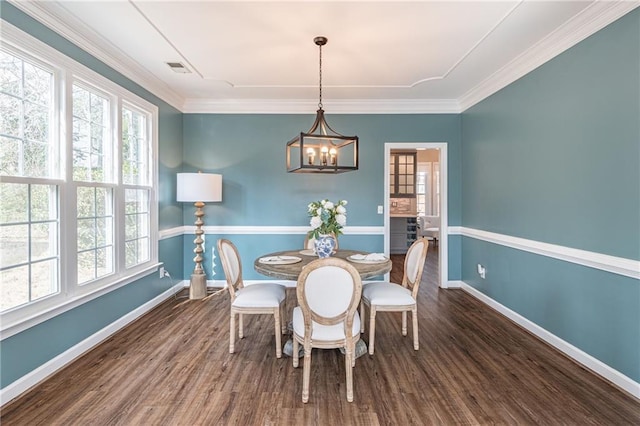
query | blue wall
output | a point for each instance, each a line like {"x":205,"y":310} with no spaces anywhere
{"x":555,"y":157}
{"x":31,"y":348}
{"x":249,"y":151}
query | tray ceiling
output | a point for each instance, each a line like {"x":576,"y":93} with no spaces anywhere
{"x":382,"y":56}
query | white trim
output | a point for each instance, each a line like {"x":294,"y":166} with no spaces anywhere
{"x":69,"y":72}
{"x":592,"y":19}
{"x":455,"y":284}
{"x":277,"y":230}
{"x":455,"y":230}
{"x":171,"y":232}
{"x":617,"y":265}
{"x":36,"y":376}
{"x":56,"y":18}
{"x":617,"y":378}
{"x":444,"y":200}
{"x":347,"y":106}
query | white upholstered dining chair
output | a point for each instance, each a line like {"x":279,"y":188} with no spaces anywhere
{"x":328,"y":293}
{"x":389,"y":297}
{"x":265,"y":298}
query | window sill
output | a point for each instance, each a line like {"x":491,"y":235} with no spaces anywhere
{"x":19,"y":323}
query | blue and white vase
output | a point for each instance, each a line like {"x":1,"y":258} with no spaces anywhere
{"x":324,"y":245}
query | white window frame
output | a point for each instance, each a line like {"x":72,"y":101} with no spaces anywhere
{"x":70,"y":295}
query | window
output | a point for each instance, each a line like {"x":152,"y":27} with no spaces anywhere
{"x":421,"y":190}
{"x":402,"y":179}
{"x":29,"y":261}
{"x":428,"y":189}
{"x":29,"y":231}
{"x":78,"y":210}
{"x":135,"y":174}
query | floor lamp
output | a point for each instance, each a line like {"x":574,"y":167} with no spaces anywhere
{"x":199,"y":188}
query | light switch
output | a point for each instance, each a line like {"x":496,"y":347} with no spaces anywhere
{"x":380,"y":209}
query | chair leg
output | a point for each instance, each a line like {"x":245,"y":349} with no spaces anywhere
{"x":372,"y":327}
{"x":232,"y":332}
{"x":353,"y":354}
{"x":240,"y":327}
{"x":296,"y":351}
{"x":276,"y":317}
{"x":361,"y":317}
{"x":349,"y":371}
{"x":414,"y":317}
{"x":404,"y":323}
{"x":283,"y":319}
{"x":306,"y":373}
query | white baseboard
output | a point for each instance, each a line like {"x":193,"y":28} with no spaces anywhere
{"x":36,"y":376}
{"x":617,"y":378}
{"x":454,"y":284}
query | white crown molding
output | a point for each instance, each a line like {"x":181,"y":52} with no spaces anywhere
{"x":347,"y":106}
{"x":617,"y":265}
{"x":53,"y":16}
{"x":614,"y":376}
{"x":595,"y":17}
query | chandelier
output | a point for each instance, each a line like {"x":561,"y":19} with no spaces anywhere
{"x":321,"y":149}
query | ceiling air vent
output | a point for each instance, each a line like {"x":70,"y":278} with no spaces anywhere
{"x":178,"y":67}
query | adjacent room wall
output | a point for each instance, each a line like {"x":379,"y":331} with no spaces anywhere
{"x":555,"y":158}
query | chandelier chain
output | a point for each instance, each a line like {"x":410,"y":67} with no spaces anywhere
{"x":320,"y":101}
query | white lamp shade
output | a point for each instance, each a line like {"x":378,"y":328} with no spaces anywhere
{"x":193,"y":187}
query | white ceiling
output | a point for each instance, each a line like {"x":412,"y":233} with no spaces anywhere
{"x":382,"y":56}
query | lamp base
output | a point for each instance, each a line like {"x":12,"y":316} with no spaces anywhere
{"x":198,"y":286}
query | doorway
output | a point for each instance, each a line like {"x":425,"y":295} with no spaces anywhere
{"x":442,"y":186}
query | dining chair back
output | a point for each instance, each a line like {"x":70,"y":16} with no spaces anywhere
{"x":384,"y":296}
{"x":414,"y":265}
{"x":259,"y":298}
{"x":232,"y":266}
{"x":328,"y":292}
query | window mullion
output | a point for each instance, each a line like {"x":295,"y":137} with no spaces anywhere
{"x":119,"y":221}
{"x":68,"y":196}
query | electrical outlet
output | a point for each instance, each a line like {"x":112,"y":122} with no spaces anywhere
{"x":482,"y":271}
{"x":162,"y":272}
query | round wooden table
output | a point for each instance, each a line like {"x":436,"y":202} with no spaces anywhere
{"x":292,"y":270}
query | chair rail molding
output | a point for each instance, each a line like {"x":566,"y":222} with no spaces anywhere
{"x":265,"y":230}
{"x":616,"y":265}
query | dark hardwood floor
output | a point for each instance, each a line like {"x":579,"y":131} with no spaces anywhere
{"x":474,"y":367}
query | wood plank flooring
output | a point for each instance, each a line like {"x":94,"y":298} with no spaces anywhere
{"x":474,"y":367}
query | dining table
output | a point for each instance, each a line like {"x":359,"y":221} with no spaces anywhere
{"x":287,"y":265}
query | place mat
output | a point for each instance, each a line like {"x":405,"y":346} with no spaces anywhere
{"x":279,"y":260}
{"x":368,"y":258}
{"x":308,"y":252}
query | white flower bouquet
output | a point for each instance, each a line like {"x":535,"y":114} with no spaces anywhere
{"x":327,"y":218}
